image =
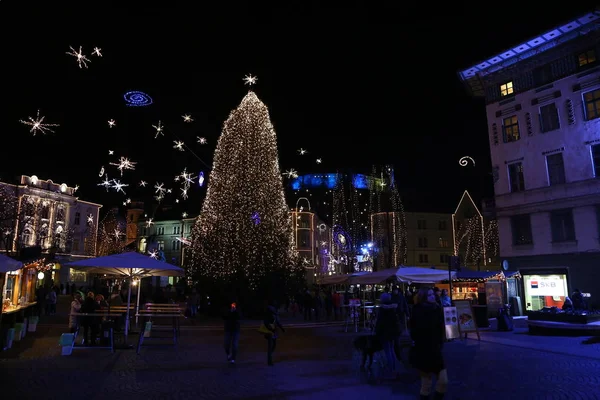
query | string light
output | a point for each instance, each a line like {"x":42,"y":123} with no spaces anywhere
{"x":137,"y":99}
{"x":111,"y":234}
{"x":228,"y":246}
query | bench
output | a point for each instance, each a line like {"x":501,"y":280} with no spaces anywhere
{"x":148,"y":316}
{"x":111,"y":346}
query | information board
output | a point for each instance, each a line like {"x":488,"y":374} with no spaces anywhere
{"x":466,"y":317}
{"x":451,"y":323}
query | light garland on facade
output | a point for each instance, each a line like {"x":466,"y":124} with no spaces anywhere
{"x":228,"y":246}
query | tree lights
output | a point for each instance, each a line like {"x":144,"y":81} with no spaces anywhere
{"x":228,"y":245}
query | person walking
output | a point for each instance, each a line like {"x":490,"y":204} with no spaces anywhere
{"x":387,"y":329}
{"x":232,"y":332}
{"x":427,"y":331}
{"x":271,"y":323}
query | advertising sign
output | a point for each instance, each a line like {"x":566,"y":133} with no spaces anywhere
{"x":552,"y":285}
{"x":466,"y":318}
{"x":451,"y":322}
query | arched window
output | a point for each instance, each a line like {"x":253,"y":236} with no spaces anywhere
{"x":26,"y":236}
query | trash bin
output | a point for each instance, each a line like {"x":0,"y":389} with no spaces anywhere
{"x":10,"y":336}
{"x":19,"y":327}
{"x":505,"y":320}
{"x":66,"y":341}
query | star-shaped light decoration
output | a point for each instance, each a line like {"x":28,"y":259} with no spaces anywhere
{"x":250,"y":80}
{"x":149,"y":223}
{"x":112,"y":123}
{"x":37,"y":124}
{"x":107,"y":183}
{"x":201,"y":140}
{"x":153,"y":254}
{"x":82,"y":60}
{"x":143,"y":183}
{"x":184,"y":214}
{"x":319,"y":161}
{"x":97,"y":52}
{"x":111,"y":152}
{"x":123,"y":164}
{"x":159,"y":129}
{"x":160,"y":189}
{"x":302,"y":151}
{"x":90,"y":219}
{"x":187,"y":118}
{"x":291,"y":173}
{"x":178,"y":145}
{"x":118,"y":186}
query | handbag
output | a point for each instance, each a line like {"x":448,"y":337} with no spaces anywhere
{"x":264,"y":330}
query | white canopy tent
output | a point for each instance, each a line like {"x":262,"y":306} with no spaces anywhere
{"x":8,"y":264}
{"x":404,"y":274}
{"x":340,"y":279}
{"x":130,"y":265}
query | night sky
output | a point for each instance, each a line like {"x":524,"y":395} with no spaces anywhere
{"x":353,"y":86}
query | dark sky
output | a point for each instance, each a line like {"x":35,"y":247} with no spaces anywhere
{"x":353,"y":86}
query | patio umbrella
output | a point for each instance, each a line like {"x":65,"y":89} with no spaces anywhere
{"x":8,"y":264}
{"x":130,"y":265}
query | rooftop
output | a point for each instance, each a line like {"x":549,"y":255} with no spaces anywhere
{"x":534,"y":46}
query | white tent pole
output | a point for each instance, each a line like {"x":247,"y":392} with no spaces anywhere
{"x":137,"y":306}
{"x":128,"y":305}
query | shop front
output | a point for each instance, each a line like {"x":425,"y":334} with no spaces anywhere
{"x":544,"y":289}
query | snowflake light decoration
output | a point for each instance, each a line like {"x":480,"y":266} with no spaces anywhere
{"x":107,"y":183}
{"x":153,"y":254}
{"x":90,"y":219}
{"x":201,"y":140}
{"x":37,"y":124}
{"x":143,"y":183}
{"x":97,"y":52}
{"x":118,"y":186}
{"x":82,"y":60}
{"x":291,"y":173}
{"x":150,"y":222}
{"x":160,"y":190}
{"x":178,"y":145}
{"x":250,"y":80}
{"x":187,"y":118}
{"x":302,"y":151}
{"x":124,"y":164}
{"x":112,"y":123}
{"x":111,"y":152}
{"x":319,"y":161}
{"x":159,"y":129}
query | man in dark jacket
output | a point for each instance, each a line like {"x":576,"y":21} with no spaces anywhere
{"x":387,"y":329}
{"x":232,"y":331}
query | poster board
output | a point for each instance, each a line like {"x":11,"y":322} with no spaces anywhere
{"x":451,"y":323}
{"x":466,"y":318}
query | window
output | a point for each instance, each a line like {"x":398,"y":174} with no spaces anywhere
{"x":160,"y":230}
{"x":510,"y":128}
{"x":26,"y":237}
{"x":562,"y":225}
{"x":556,"y":169}
{"x":175,"y":245}
{"x":587,"y":58}
{"x":506,"y":89}
{"x":176,"y":230}
{"x":443,"y":242}
{"x":423,"y":242}
{"x":596,"y":159}
{"x":521,"y":230}
{"x":592,"y":104}
{"x":549,"y":118}
{"x":442,"y":226}
{"x":423,"y":258}
{"x":516,"y":178}
{"x":421,"y":224}
{"x":160,"y":245}
{"x":77,"y":218}
{"x":75,"y":245}
{"x":444,"y":259}
{"x":542,"y":75}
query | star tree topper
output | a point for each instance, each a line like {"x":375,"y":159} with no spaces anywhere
{"x":250,"y":80}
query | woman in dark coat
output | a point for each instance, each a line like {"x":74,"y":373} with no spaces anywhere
{"x":272,"y":323}
{"x":387,"y":328}
{"x":427,"y":331}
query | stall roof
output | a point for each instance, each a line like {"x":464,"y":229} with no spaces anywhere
{"x":471,"y":276}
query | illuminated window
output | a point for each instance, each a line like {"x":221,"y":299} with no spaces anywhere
{"x":587,"y":58}
{"x":592,"y":104}
{"x":506,"y":88}
{"x":556,"y":169}
{"x":516,"y":178}
{"x":510,"y":127}
{"x":443,"y":242}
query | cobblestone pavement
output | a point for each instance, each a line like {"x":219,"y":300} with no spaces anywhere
{"x":311,"y":363}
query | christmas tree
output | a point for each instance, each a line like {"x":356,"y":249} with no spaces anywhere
{"x":242,"y":239}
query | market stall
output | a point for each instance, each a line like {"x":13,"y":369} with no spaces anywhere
{"x":485,"y":290}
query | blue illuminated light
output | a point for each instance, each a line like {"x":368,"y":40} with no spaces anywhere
{"x":328,"y":181}
{"x":201,"y":179}
{"x":137,"y":99}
